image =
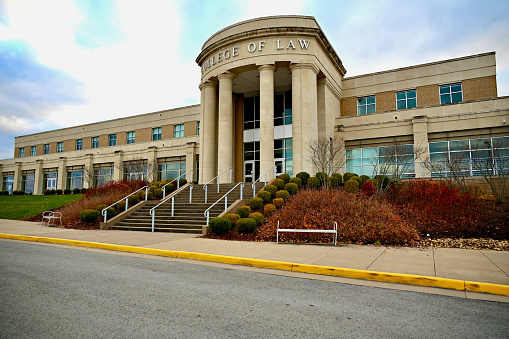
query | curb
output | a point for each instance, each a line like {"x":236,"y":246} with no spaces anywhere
{"x":409,"y":279}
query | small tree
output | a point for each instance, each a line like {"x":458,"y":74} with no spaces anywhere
{"x":137,"y":169}
{"x":455,"y":167}
{"x":327,"y":156}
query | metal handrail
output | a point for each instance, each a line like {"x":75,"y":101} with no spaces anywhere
{"x":207,"y":211}
{"x":152,"y":211}
{"x":178,"y":182}
{"x":217,"y":176}
{"x":254,"y":183}
{"x":103,"y":212}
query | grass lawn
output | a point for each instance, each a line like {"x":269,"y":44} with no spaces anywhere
{"x":23,"y":206}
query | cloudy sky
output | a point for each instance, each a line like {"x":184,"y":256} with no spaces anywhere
{"x":70,"y":62}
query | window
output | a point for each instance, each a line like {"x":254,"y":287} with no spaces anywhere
{"x":95,"y":142}
{"x":252,"y":112}
{"x":451,"y":94}
{"x":393,"y":161}
{"x":46,"y":149}
{"x":135,"y":169}
{"x":156,"y":133}
{"x":283,"y":108}
{"x":21,"y":152}
{"x":33,"y":151}
{"x":50,"y":178}
{"x":131,"y":137}
{"x":103,"y":173}
{"x":112,"y":140}
{"x":74,"y":177}
{"x":178,"y":131}
{"x":8,"y":181}
{"x":60,"y":147}
{"x":406,"y":99}
{"x":171,"y":168}
{"x":366,"y":105}
{"x":27,"y":181}
{"x":283,"y":156}
{"x":198,"y":128}
{"x":79,"y":144}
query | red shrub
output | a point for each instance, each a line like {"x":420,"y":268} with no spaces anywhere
{"x":368,"y":189}
{"x":126,"y":186}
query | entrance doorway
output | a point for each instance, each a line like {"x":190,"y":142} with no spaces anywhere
{"x":249,"y":171}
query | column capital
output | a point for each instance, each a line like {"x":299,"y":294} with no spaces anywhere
{"x":419,"y":119}
{"x":208,"y":83}
{"x":266,"y":67}
{"x":227,"y":75}
{"x":310,"y":66}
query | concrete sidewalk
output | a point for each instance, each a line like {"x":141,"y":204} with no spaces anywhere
{"x":484,"y":266}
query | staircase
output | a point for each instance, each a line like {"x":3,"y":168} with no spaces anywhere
{"x":187,"y":218}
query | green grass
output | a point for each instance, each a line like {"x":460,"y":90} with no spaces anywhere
{"x":23,"y":206}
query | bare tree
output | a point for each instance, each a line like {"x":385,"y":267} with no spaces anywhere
{"x":328,"y":155}
{"x":455,"y":167}
{"x":137,"y":169}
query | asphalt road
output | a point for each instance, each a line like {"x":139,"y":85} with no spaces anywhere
{"x":58,"y":292}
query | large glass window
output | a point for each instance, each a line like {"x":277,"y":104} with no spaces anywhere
{"x":50,"y":178}
{"x":366,"y":105}
{"x":156,"y":133}
{"x":451,"y":94}
{"x":393,"y":161}
{"x":131,"y":137}
{"x":8,"y":181}
{"x":406,"y":99}
{"x":74,"y":177}
{"x":252,"y":112}
{"x":171,"y":168}
{"x":283,"y":156}
{"x":60,"y":147}
{"x":33,"y":151}
{"x":283,"y":108}
{"x":252,"y":154}
{"x":178,"y":131}
{"x":103,"y":173}
{"x":27,"y":181}
{"x":46,"y":149}
{"x":95,"y":142}
{"x":112,"y":140}
{"x":21,"y":152}
{"x":135,"y":170}
{"x":79,"y":144}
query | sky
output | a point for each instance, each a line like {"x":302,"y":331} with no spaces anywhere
{"x":71,"y":62}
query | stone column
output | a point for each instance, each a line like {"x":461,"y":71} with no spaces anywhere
{"x":191,"y":161}
{"x":421,"y":148}
{"x":208,"y":147}
{"x":118,"y":165}
{"x":267,"y":119}
{"x":38,"y":184}
{"x":152,"y":164}
{"x":88,"y":171}
{"x":16,"y":185}
{"x":305,"y":115}
{"x":62,"y":162}
{"x":225,"y":128}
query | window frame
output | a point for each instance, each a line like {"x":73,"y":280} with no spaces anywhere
{"x":60,"y":147}
{"x":178,"y":131}
{"x":45,"y":149}
{"x":450,"y":94}
{"x":406,"y":99}
{"x":95,"y":142}
{"x":131,"y":137}
{"x":21,"y":152}
{"x":157,"y":133}
{"x":33,"y":151}
{"x":79,"y":144}
{"x":112,"y":139}
{"x":367,"y":105}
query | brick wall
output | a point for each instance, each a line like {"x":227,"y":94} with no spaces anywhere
{"x":190,"y":128}
{"x":348,"y":106}
{"x":167,"y":132}
{"x":69,"y":145}
{"x":385,"y":101}
{"x":144,"y":134}
{"x":480,"y":88}
{"x":427,"y":96}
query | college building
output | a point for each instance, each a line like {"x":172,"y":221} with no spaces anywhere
{"x":270,"y":87}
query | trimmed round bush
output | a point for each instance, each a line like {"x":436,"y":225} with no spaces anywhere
{"x":372,"y":181}
{"x":347,"y":176}
{"x":120,"y":206}
{"x":83,"y":190}
{"x":141,"y":194}
{"x":101,"y":207}
{"x":272,"y":189}
{"x":53,"y":192}
{"x":89,"y":216}
{"x":314,"y":182}
{"x":182,"y":182}
{"x":285,"y":177}
{"x":258,"y":217}
{"x":153,"y":188}
{"x":67,"y":191}
{"x":304,"y":176}
{"x":339,"y":176}
{"x":158,"y":193}
{"x":296,"y":181}
{"x":283,"y":194}
{"x":133,"y":200}
{"x":278,"y":202}
{"x":246,"y":225}
{"x":368,"y":189}
{"x":352,"y":186}
{"x":291,"y":188}
{"x":334,"y":181}
{"x":269,"y":209}
{"x":243,"y":211}
{"x":60,"y":191}
{"x":279,"y":183}
{"x":220,"y":225}
{"x":169,"y":188}
{"x":76,"y":190}
{"x":357,"y":178}
{"x":45,"y":192}
{"x":5,"y":192}
{"x":150,"y":196}
{"x":233,"y":217}
{"x":264,"y":195}
{"x":364,"y":178}
{"x":322,"y":176}
{"x":256,"y":203}
{"x":110,"y":212}
{"x":382,"y":180}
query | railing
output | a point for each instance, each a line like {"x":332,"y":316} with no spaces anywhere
{"x":207,"y":212}
{"x":205,"y":186}
{"x":178,"y":182}
{"x":104,"y":213}
{"x":264,"y":174}
{"x":152,"y":211}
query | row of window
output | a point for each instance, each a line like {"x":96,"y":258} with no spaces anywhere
{"x":282,"y":110}
{"x":178,"y":132}
{"x":408,"y":99}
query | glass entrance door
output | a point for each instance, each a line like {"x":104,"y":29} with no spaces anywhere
{"x":249,"y":171}
{"x":280,"y":166}
{"x":51,"y":184}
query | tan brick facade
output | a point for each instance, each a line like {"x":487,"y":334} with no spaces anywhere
{"x":480,"y":88}
{"x":103,"y":140}
{"x":143,"y":135}
{"x":167,"y":132}
{"x":427,"y":96}
{"x":348,"y":106}
{"x":40,"y":149}
{"x":69,"y":145}
{"x":122,"y":138}
{"x":53,"y":147}
{"x":190,"y":128}
{"x":87,"y":142}
{"x":385,"y":101}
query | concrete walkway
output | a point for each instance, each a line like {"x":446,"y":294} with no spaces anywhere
{"x":485,"y":266}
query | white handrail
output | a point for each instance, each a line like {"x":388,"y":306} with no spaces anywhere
{"x":152,"y":211}
{"x":207,"y":211}
{"x":178,"y":182}
{"x":103,"y":212}
{"x":217,"y":176}
{"x":254,"y":183}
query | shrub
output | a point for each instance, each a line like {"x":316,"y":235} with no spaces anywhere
{"x":110,"y":212}
{"x":133,"y":200}
{"x":347,"y":176}
{"x":351,"y":186}
{"x":120,"y":206}
{"x":243,"y":211}
{"x":368,"y":188}
{"x":296,"y":181}
{"x":256,"y":203}
{"x":269,"y":209}
{"x":364,"y":178}
{"x":334,"y":181}
{"x":169,"y":188}
{"x":18,"y":192}
{"x":382,"y":181}
{"x":339,"y":176}
{"x":322,"y":176}
{"x":45,"y":192}
{"x":150,"y":196}
{"x":304,"y":176}
{"x":60,"y":191}
{"x":220,"y":225}
{"x":67,"y":191}
{"x":285,"y":177}
{"x":83,"y":190}
{"x":272,"y":189}
{"x":101,"y":207}
{"x":291,"y":188}
{"x":283,"y":194}
{"x":5,"y":192}
{"x":141,"y":195}
{"x":278,"y":202}
{"x":76,"y":190}
{"x":153,"y":188}
{"x":357,"y":178}
{"x":246,"y":225}
{"x":372,"y":181}
{"x":233,"y":217}
{"x":264,"y":195}
{"x":258,"y":217}
{"x":314,"y":182}
{"x":279,"y":183}
{"x":158,"y":193}
{"x":89,"y":216}
{"x":53,"y":192}
{"x":182,"y":182}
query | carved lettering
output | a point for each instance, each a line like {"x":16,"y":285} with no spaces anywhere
{"x":251,"y":47}
{"x":212,"y":59}
{"x":290,"y":44}
{"x":226,"y":53}
{"x":219,"y":58}
{"x":279,"y":47}
{"x":261,"y":44}
{"x":304,"y":44}
{"x":235,"y":51}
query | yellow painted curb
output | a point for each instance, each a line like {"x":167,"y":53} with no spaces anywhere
{"x":409,"y":279}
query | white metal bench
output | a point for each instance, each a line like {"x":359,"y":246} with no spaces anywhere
{"x":49,"y":216}
{"x":334,"y":232}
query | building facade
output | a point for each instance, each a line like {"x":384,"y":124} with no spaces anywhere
{"x":269,"y":87}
